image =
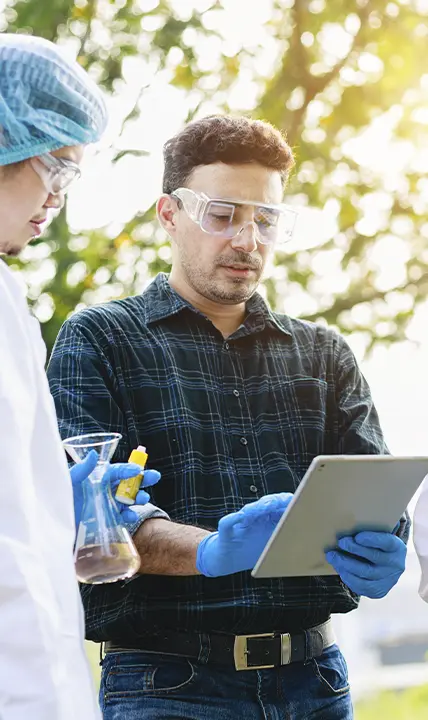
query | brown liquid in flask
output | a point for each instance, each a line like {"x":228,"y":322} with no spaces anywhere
{"x":104,"y":550}
{"x":95,"y":565}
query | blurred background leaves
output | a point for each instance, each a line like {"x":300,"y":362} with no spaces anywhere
{"x":336,"y":74}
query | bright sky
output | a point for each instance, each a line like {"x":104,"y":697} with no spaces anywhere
{"x":112,"y":195}
{"x":398,"y":374}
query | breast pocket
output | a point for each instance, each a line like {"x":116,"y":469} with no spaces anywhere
{"x":300,"y":408}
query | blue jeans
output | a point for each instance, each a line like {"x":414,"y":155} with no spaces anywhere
{"x":147,"y":686}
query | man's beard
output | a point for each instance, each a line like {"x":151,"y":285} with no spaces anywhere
{"x":236,"y":291}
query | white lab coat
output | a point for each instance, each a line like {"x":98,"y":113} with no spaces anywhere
{"x":44,"y":673}
{"x":420,"y":537}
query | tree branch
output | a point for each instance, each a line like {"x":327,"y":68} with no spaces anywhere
{"x":132,"y":112}
{"x":315,"y":85}
{"x":91,"y":13}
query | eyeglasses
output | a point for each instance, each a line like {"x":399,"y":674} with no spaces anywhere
{"x":224,"y":218}
{"x":57,"y":174}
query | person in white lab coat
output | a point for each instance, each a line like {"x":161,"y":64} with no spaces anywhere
{"x":420,"y":537}
{"x":49,"y":110}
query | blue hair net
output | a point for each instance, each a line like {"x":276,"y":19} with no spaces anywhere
{"x":46,"y":101}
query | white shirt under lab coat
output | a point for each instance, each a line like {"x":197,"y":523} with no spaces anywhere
{"x":420,"y":537}
{"x":44,"y":673}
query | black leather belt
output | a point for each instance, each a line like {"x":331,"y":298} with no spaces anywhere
{"x":247,"y":652}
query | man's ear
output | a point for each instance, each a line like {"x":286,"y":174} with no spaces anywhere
{"x":166,"y":209}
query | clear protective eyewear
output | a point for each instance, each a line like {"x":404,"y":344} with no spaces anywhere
{"x":225,"y":218}
{"x":57,"y":174}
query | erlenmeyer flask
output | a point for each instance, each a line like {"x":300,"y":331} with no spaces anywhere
{"x":104,"y":550}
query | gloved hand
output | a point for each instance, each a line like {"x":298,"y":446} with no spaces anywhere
{"x":115,"y":473}
{"x":379,"y":562}
{"x":241,"y":537}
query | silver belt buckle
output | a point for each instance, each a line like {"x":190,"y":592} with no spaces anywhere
{"x":285,"y":649}
{"x":240,"y":651}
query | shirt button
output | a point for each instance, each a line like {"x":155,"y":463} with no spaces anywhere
{"x":236,"y":393}
{"x":270,"y":595}
{"x":243,"y":441}
{"x":253,"y":488}
{"x":226,"y":346}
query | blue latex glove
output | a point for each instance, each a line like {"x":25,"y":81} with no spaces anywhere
{"x":379,"y":562}
{"x":115,"y":473}
{"x":241,"y":537}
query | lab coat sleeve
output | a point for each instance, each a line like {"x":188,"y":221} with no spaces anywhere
{"x":420,"y":537}
{"x":30,"y":662}
{"x":43,"y":670}
{"x":30,"y":669}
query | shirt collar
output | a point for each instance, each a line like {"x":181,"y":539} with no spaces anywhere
{"x":260,"y":315}
{"x":162,"y":301}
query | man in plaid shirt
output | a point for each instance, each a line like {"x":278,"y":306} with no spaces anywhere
{"x":233,"y":401}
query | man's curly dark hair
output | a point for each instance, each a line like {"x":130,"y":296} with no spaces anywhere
{"x":227,"y":139}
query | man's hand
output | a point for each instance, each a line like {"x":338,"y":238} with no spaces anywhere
{"x":379,"y":561}
{"x":115,"y":473}
{"x":241,"y":537}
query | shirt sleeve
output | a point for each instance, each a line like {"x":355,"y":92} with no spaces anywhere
{"x":358,"y":425}
{"x":420,"y":537}
{"x":359,"y":431}
{"x":87,"y":393}
{"x":83,"y":383}
{"x":144,"y":512}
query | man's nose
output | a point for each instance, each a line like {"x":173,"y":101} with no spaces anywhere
{"x":247,"y":238}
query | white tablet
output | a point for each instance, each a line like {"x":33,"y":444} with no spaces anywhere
{"x":339,"y":495}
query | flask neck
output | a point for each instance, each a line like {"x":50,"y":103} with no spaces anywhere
{"x":99,"y":506}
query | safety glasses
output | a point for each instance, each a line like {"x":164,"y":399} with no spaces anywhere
{"x":57,"y":174}
{"x":227,"y":218}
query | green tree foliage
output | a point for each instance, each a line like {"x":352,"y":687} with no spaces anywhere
{"x":410,"y":704}
{"x":338,"y":69}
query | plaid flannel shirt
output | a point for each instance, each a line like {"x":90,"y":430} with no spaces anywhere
{"x":225,"y":421}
